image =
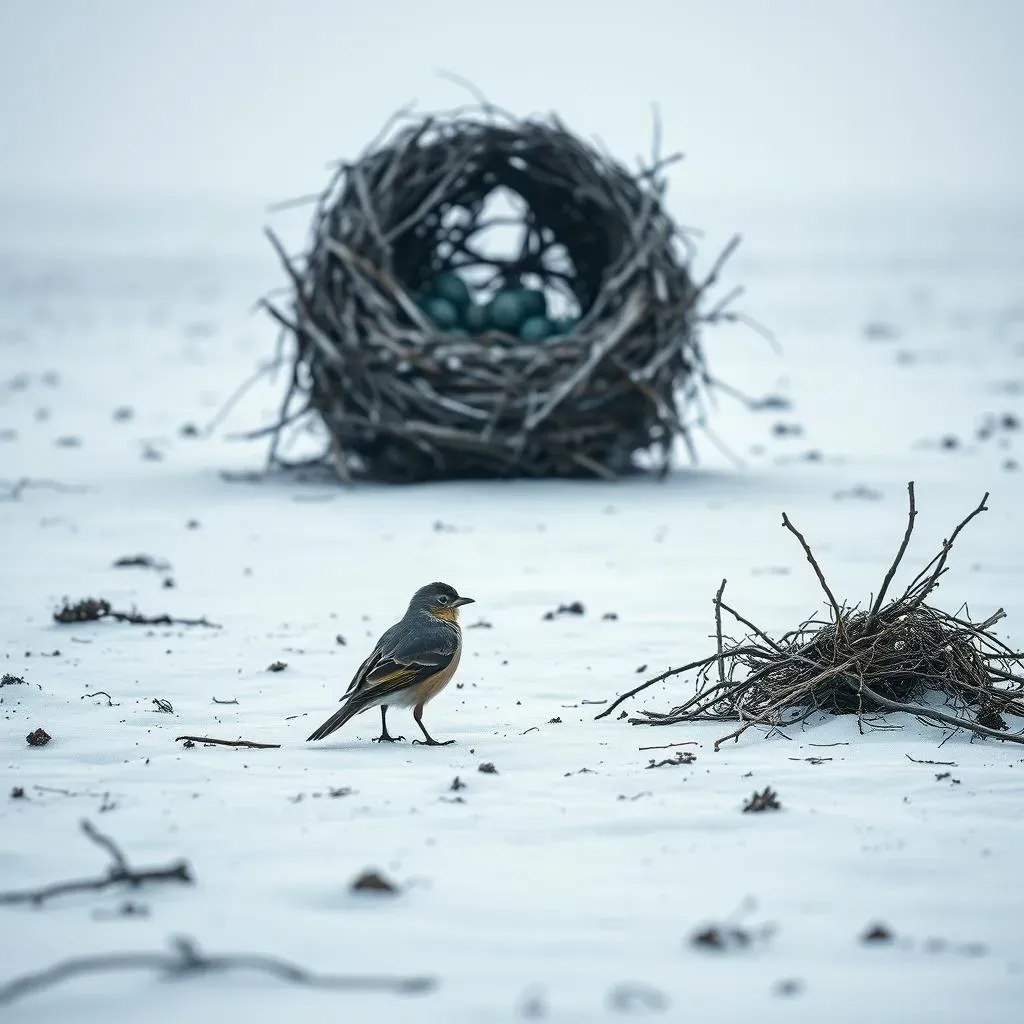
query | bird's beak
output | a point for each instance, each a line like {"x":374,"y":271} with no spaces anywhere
{"x":460,"y":601}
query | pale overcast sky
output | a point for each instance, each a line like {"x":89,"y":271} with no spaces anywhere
{"x":252,"y":97}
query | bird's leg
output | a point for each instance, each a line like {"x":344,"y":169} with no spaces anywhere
{"x":429,"y":741}
{"x":385,"y":736}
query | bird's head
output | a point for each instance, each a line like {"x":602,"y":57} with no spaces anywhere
{"x":439,"y":600}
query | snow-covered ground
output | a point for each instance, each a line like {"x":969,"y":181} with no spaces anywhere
{"x":568,"y":884}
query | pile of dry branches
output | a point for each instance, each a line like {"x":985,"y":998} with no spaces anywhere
{"x":404,"y":399}
{"x":901,"y":655}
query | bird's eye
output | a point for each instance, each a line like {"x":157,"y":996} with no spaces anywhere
{"x":443,"y":599}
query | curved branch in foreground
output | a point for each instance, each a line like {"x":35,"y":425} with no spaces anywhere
{"x":184,"y":959}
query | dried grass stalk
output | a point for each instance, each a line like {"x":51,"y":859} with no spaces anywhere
{"x":402,"y":400}
{"x":902,"y":655}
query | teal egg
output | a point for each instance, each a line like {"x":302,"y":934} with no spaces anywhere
{"x":535,"y":302}
{"x":453,"y":288}
{"x":505,"y":311}
{"x":536,"y":328}
{"x":475,"y":319}
{"x":442,"y":312}
{"x":563,"y":325}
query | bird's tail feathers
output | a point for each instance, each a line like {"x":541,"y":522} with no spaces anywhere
{"x":356,"y":703}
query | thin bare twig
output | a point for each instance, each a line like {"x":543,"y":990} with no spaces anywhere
{"x":249,"y":744}
{"x":119,"y":873}
{"x":185,"y":960}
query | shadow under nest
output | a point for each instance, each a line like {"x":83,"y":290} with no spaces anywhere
{"x":404,"y":399}
{"x":904,"y":655}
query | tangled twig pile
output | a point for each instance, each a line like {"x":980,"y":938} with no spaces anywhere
{"x":609,"y":364}
{"x":904,"y":655}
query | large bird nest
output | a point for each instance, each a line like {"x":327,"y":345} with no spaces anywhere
{"x":904,"y":655}
{"x":404,"y":397}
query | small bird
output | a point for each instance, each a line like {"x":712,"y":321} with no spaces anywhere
{"x":412,"y":663}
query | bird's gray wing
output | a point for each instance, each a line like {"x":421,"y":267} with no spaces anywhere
{"x":413,"y":656}
{"x":387,"y":640}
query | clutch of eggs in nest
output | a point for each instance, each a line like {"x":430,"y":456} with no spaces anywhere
{"x":450,"y":305}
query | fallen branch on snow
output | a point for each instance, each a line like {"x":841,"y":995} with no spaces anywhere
{"x":119,"y":873}
{"x":184,"y":960}
{"x":191,"y":740}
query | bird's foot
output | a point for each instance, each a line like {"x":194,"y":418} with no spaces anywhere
{"x":387,"y":738}
{"x":435,"y":743}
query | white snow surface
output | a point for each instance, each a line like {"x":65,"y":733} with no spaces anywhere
{"x":548,"y":890}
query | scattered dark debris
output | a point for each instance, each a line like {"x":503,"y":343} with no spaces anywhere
{"x":68,"y":441}
{"x":575,"y":608}
{"x":18,"y":793}
{"x":126,"y":909}
{"x":580,"y":771}
{"x":725,"y":937}
{"x":8,"y":434}
{"x":480,"y":624}
{"x":940,"y":764}
{"x":93,"y":609}
{"x":949,"y":442}
{"x":603,"y":700}
{"x":188,"y":744}
{"x":555,"y":721}
{"x":339,"y":791}
{"x":635,"y":796}
{"x":787,"y":430}
{"x":532,"y":728}
{"x":610,"y":617}
{"x":877,"y":934}
{"x":277,"y":666}
{"x":168,"y":583}
{"x":860,"y":493}
{"x":878,"y":330}
{"x":101,"y":693}
{"x":812,"y":760}
{"x":339,"y":640}
{"x":119,"y":873}
{"x":8,"y":680}
{"x":373,"y":881}
{"x":191,"y":741}
{"x":641,"y":668}
{"x":681,"y":757}
{"x":163,"y":705}
{"x":770,"y":403}
{"x":38,"y":738}
{"x":442,"y":527}
{"x":622,"y":714}
{"x":298,"y":798}
{"x":141,"y":562}
{"x":629,"y":997}
{"x":947,"y":775}
{"x":457,"y":784}
{"x":788,"y":987}
{"x":188,"y":430}
{"x":766,"y":800}
{"x":192,"y":524}
{"x":123,"y":413}
{"x":233,"y":700}
{"x":488,"y":768}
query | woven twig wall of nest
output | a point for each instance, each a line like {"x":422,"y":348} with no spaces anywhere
{"x":427,"y":357}
{"x":904,"y":654}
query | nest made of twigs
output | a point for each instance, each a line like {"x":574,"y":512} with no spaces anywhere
{"x":403,"y":398}
{"x":901,"y":655}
